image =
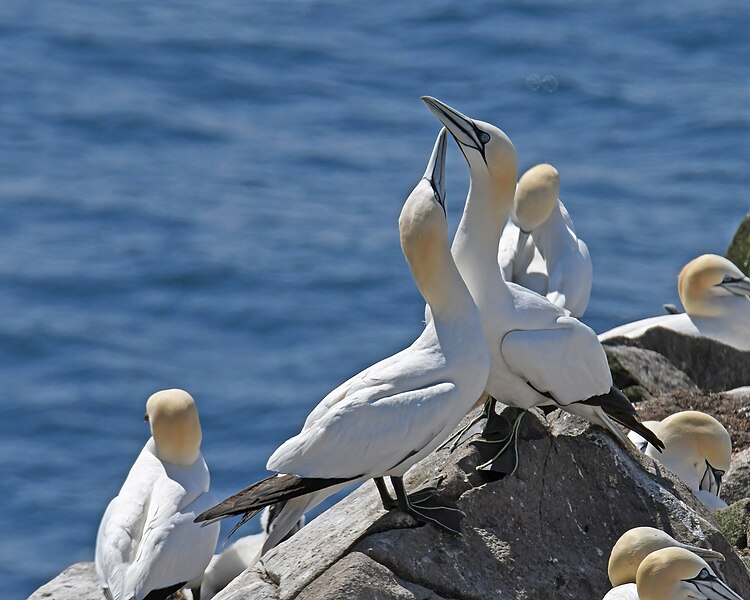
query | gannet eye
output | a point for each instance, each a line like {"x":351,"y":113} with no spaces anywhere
{"x":704,"y":574}
{"x":727,"y":279}
{"x":484,"y":137}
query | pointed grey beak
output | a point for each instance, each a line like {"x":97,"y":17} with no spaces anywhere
{"x":435,"y":171}
{"x":704,"y":553}
{"x":712,"y":587}
{"x":462,"y":128}
{"x":739,"y":287}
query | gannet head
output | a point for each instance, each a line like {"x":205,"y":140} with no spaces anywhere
{"x":536,"y":197}
{"x":488,"y":151}
{"x":175,"y":426}
{"x":636,"y":544}
{"x":422,"y":224}
{"x":698,"y":449}
{"x":678,"y":574}
{"x":705,"y":280}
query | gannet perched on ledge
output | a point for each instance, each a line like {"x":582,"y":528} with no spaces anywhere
{"x":630,"y":550}
{"x":148,"y":546}
{"x":698,"y":450}
{"x":678,"y":574}
{"x":715,"y":294}
{"x":540,"y":356}
{"x":539,"y":249}
{"x":393,"y":414}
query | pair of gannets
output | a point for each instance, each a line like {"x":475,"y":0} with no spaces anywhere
{"x":393,"y":414}
{"x":715,"y":294}
{"x":698,"y":450}
{"x":148,"y":546}
{"x":540,"y":356}
{"x":648,"y":564}
{"x":539,"y":249}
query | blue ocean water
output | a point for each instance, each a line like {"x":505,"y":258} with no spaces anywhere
{"x":204,"y":195}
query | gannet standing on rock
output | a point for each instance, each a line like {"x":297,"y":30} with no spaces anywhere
{"x":715,"y":294}
{"x":148,"y":546}
{"x":678,"y":574}
{"x":698,"y":450}
{"x":630,"y":550}
{"x":393,"y":414}
{"x":540,"y":356}
{"x":539,"y":249}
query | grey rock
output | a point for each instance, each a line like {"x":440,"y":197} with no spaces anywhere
{"x":710,"y":364}
{"x":736,"y":481}
{"x":739,"y":249}
{"x":642,"y":373}
{"x":77,"y":582}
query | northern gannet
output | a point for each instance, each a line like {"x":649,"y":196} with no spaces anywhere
{"x":678,"y":574}
{"x":393,"y":414}
{"x":148,"y":545}
{"x":715,"y":294}
{"x":240,"y":555}
{"x":540,"y":356}
{"x":630,"y":550}
{"x":698,"y":450}
{"x":539,"y":248}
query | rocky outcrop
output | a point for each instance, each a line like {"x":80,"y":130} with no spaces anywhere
{"x":77,"y":582}
{"x":711,"y":365}
{"x":739,"y":250}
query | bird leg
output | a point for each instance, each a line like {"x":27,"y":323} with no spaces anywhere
{"x":457,"y":438}
{"x":496,"y":432}
{"x":426,"y":507}
{"x":385,"y":496}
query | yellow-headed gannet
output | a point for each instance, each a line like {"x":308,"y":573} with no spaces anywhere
{"x":240,"y":555}
{"x":678,"y":574}
{"x":630,"y":550}
{"x":393,"y":414}
{"x":698,"y":450}
{"x":715,"y":294}
{"x":148,"y":545}
{"x":539,"y":249}
{"x":540,"y":356}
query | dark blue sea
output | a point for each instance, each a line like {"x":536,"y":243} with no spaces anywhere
{"x":204,"y":194}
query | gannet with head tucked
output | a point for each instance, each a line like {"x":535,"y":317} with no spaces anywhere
{"x":148,"y":545}
{"x":240,"y":555}
{"x":698,"y":450}
{"x":678,"y":574}
{"x":540,"y":356}
{"x":393,"y":414}
{"x":716,"y":297}
{"x":539,"y":249}
{"x":630,"y":550}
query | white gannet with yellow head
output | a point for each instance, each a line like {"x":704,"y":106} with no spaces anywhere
{"x":630,"y":550}
{"x":539,"y":248}
{"x":678,"y":574}
{"x":698,"y":450}
{"x":396,"y":412}
{"x":148,"y":544}
{"x":716,"y":297}
{"x":540,"y":356}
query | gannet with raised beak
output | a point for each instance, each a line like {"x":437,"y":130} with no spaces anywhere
{"x":148,"y":546}
{"x":539,"y":249}
{"x":393,"y":414}
{"x":678,"y":574}
{"x":540,"y":356}
{"x":698,"y":450}
{"x":716,"y":297}
{"x":630,"y":550}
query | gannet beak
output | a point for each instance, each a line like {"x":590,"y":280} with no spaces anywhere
{"x":739,"y":287}
{"x":462,"y":128}
{"x":712,"y":587}
{"x":435,"y":172}
{"x":704,"y":553}
{"x":711,"y":480}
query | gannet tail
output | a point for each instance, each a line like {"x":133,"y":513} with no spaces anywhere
{"x":617,"y":407}
{"x":271,"y":490}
